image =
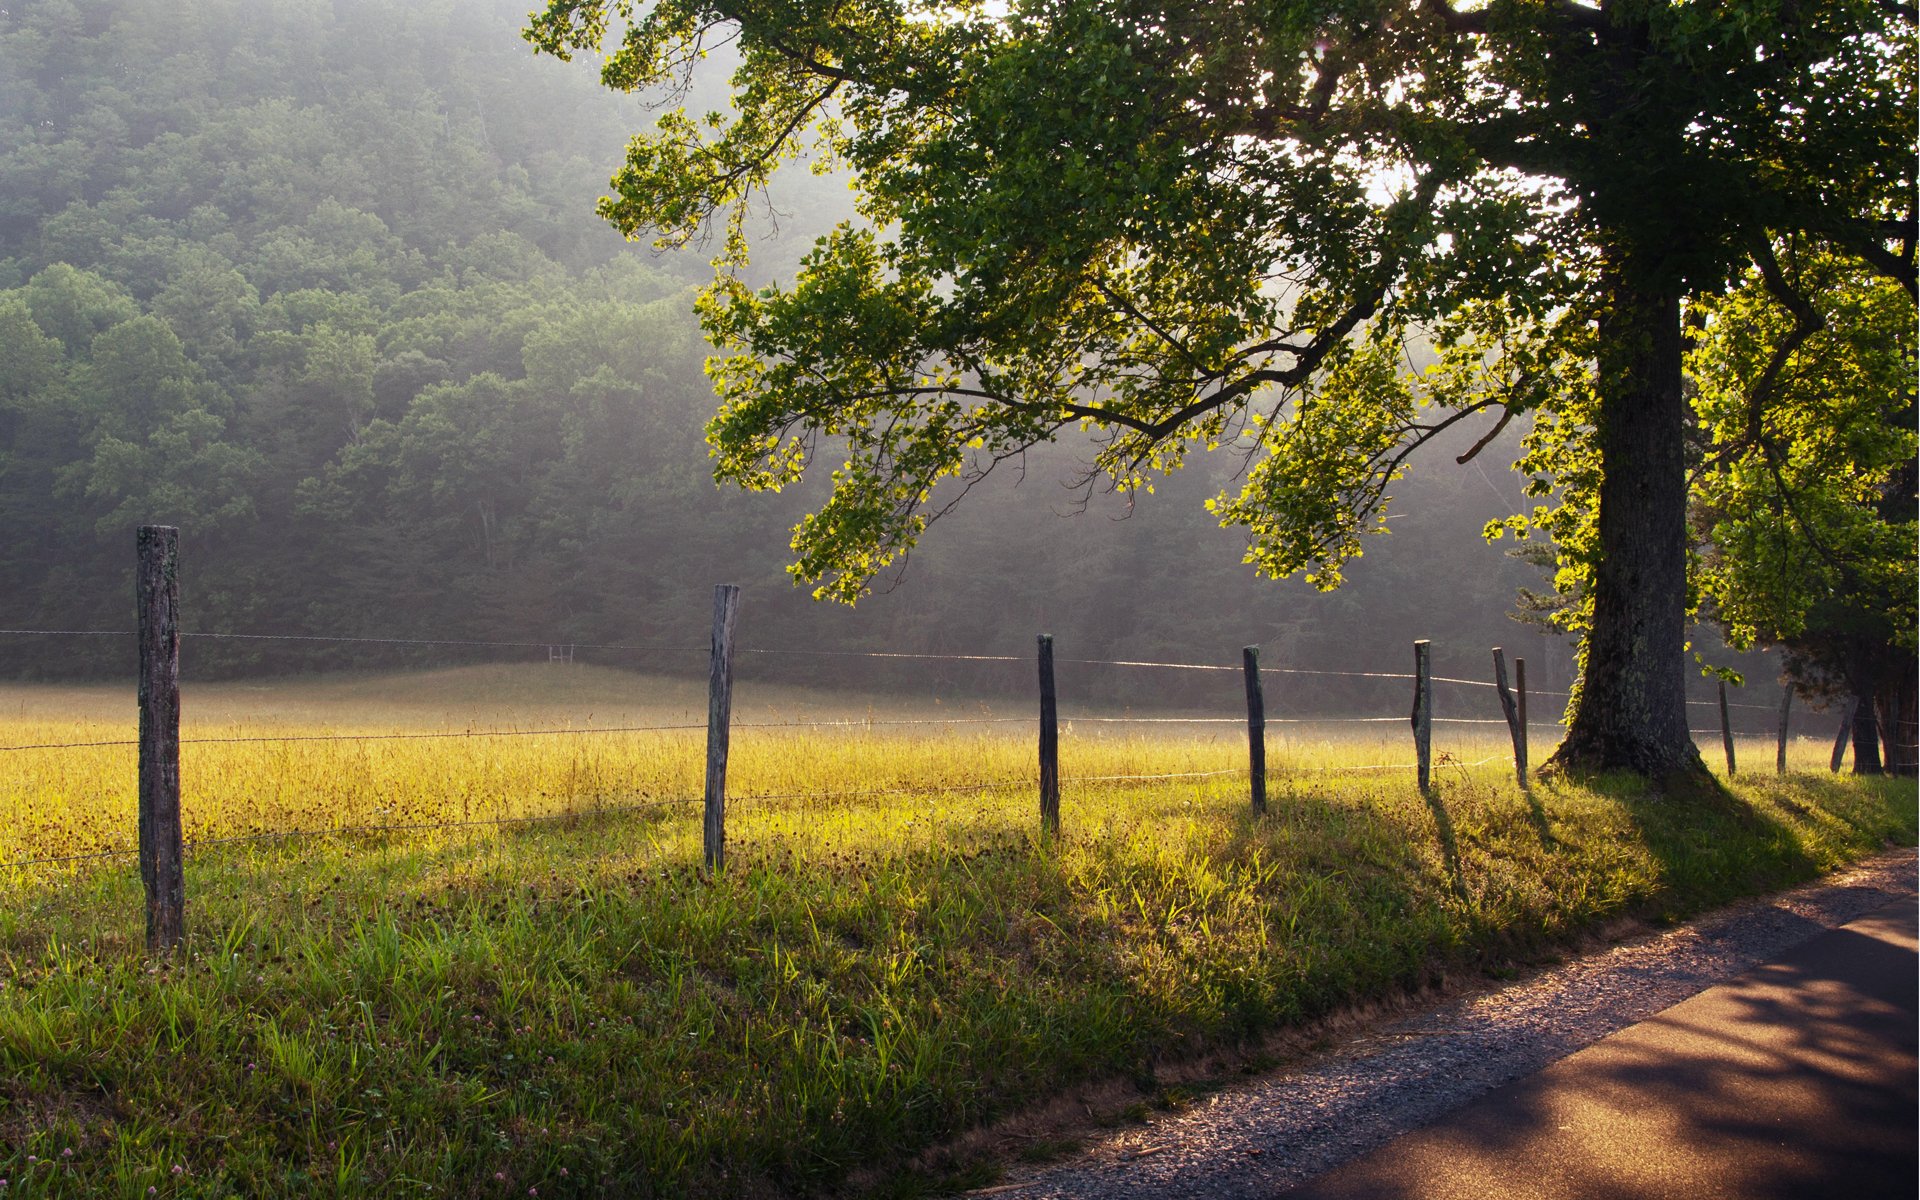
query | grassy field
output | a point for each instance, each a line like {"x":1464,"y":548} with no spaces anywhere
{"x":569,"y":1006}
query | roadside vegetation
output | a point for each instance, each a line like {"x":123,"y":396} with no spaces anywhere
{"x":572,"y":1007}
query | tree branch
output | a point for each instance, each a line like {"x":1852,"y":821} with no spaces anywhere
{"x":1506,"y":415}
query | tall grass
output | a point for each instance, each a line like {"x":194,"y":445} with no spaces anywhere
{"x":571,"y":1007}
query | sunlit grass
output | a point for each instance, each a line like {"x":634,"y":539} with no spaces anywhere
{"x":574,"y":1006}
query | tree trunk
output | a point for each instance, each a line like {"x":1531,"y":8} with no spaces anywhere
{"x":1631,"y":711}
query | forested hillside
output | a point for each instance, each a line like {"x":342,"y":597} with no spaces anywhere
{"x":321,"y":283}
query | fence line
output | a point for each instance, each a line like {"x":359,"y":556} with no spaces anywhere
{"x":60,"y":858}
{"x":67,"y":745}
{"x":345,"y":639}
{"x":68,"y":632}
{"x":837,"y":724}
{"x":888,"y":654}
{"x":880,"y":654}
{"x":159,"y":639}
{"x":1765,"y":708}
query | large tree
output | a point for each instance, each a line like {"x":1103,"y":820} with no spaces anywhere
{"x":1218,"y":225}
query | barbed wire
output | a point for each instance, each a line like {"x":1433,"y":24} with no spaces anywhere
{"x":1165,"y":775}
{"x":350,"y":639}
{"x":545,"y":643}
{"x":886,"y":654}
{"x":1768,"y":708}
{"x":67,"y":632}
{"x":1436,"y":765}
{"x":69,"y":745}
{"x":892,"y":791}
{"x":848,"y":723}
{"x":60,"y":858}
{"x":432,"y":735}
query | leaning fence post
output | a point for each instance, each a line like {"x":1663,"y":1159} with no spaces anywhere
{"x":1780,"y":753}
{"x":1512,"y":712}
{"x":726,"y":607}
{"x":157,"y":596}
{"x":1049,"y":741}
{"x":1423,"y":712}
{"x":1726,"y":728}
{"x":1520,"y":698}
{"x":1840,"y":738}
{"x":1256,"y":729}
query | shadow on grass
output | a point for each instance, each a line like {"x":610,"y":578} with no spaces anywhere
{"x":1711,"y":843}
{"x":1449,"y":844}
{"x":1537,"y":817}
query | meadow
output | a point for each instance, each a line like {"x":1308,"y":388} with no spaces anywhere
{"x":503,"y":972}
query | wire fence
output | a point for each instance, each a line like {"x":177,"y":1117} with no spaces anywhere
{"x":1255,"y":722}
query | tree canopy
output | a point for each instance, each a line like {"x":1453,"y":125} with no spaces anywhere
{"x":1221,"y":226}
{"x":1805,"y":506}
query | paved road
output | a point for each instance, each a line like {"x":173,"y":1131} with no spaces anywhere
{"x":1391,"y":1094}
{"x":1795,"y":1080}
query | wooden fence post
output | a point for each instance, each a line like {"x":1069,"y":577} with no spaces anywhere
{"x":1256,"y":730}
{"x":1423,"y":712}
{"x":1520,"y":696}
{"x":1780,"y":753}
{"x":1840,"y":738}
{"x":1512,"y":713}
{"x":726,"y":609}
{"x":1049,"y":742}
{"x":157,"y":596}
{"x":1726,"y":728}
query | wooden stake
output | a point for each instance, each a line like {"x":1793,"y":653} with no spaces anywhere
{"x":1840,"y":738}
{"x":1520,"y":695}
{"x":1726,"y":728}
{"x":1512,"y":713}
{"x":1423,"y":712}
{"x":726,"y":609}
{"x":162,"y":870}
{"x":1256,"y":729}
{"x":1780,"y":752}
{"x":1049,"y":742}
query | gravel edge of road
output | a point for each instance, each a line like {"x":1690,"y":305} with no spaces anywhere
{"x":1265,"y":1136}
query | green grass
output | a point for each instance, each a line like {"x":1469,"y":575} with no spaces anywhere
{"x":574,"y":1007}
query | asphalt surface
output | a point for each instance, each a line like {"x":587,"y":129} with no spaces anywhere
{"x":1795,"y":1080}
{"x":1393,"y":1093}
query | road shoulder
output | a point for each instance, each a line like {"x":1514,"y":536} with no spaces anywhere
{"x":1274,"y":1133}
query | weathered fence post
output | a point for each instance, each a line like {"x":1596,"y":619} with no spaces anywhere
{"x":1726,"y":728}
{"x":1520,"y":697}
{"x":1780,"y":753}
{"x":162,"y":871}
{"x":726,"y":608}
{"x":1423,"y":712}
{"x":1256,"y":730}
{"x":1840,"y":738}
{"x":1049,"y":741}
{"x":1512,"y":712}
